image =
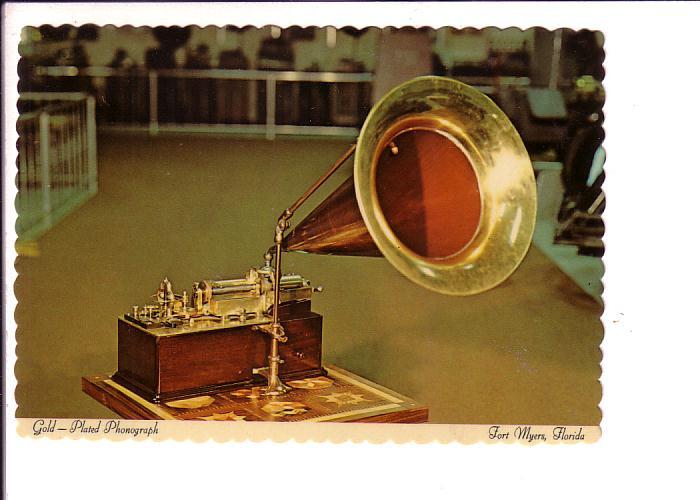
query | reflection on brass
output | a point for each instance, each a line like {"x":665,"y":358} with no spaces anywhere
{"x":223,"y":416}
{"x":215,"y":304}
{"x":344,"y":398}
{"x":442,"y":187}
{"x":191,"y":403}
{"x":284,"y":408}
{"x":311,"y":383}
{"x":252,"y":393}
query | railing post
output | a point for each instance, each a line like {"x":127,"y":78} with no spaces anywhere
{"x":45,"y":158}
{"x":271,"y":99}
{"x":91,"y":129}
{"x":152,"y":102}
{"x":556,"y":60}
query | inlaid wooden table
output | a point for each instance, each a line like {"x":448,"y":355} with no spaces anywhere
{"x":340,"y":397}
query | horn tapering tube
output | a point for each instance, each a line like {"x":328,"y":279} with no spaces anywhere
{"x":335,"y":227}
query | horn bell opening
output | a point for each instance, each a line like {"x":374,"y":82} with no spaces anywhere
{"x":445,"y":186}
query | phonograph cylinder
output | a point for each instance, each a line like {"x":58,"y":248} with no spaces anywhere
{"x":442,"y":187}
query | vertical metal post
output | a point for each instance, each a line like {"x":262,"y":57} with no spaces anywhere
{"x":440,"y":39}
{"x":252,"y":112}
{"x":278,"y":278}
{"x":152,"y":102}
{"x":45,"y":158}
{"x":275,"y":386}
{"x":91,"y":132}
{"x":271,"y":99}
{"x":556,"y":60}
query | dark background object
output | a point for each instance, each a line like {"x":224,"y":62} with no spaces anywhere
{"x":170,"y":90}
{"x":294,"y":33}
{"x":277,"y":54}
{"x":232,"y":95}
{"x":198,"y":106}
{"x":55,"y":33}
{"x":88,"y":32}
{"x":314,"y":98}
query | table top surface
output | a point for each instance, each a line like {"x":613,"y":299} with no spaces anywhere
{"x":341,"y":396}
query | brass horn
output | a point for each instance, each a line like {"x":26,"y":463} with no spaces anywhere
{"x":442,"y":187}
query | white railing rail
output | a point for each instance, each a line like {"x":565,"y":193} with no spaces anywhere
{"x":271,"y":79}
{"x":57,"y":158}
{"x":155,"y":113}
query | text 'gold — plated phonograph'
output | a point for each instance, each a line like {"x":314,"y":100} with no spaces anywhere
{"x":442,"y":187}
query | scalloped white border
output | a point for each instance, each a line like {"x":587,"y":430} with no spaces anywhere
{"x":649,"y":369}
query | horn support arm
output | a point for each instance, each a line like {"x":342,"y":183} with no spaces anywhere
{"x":275,"y":387}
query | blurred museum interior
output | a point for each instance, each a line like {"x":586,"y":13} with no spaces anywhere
{"x":146,"y":152}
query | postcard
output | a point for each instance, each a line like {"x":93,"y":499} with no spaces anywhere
{"x":251,"y":230}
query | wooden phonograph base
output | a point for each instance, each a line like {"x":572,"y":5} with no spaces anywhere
{"x":340,"y":396}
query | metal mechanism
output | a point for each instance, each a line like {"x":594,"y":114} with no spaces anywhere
{"x":442,"y":187}
{"x":275,"y":386}
{"x":219,"y":304}
{"x":207,"y":339}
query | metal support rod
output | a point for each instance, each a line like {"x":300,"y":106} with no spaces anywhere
{"x":312,"y":189}
{"x":279,"y":232}
{"x":270,"y":111}
{"x":275,"y":386}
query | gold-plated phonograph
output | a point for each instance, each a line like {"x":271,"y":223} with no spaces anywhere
{"x":442,"y":187}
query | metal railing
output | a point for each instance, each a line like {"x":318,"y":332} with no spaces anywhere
{"x":57,"y":160}
{"x":490,"y":85}
{"x":192,"y":100}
